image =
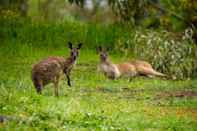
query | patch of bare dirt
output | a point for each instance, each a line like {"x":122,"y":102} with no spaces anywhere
{"x":120,"y":90}
{"x":179,"y":112}
{"x":178,"y":94}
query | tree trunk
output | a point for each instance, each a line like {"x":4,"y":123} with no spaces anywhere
{"x":23,"y":8}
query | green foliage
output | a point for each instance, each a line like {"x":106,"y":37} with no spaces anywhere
{"x":166,"y":51}
{"x":180,"y":14}
{"x":128,"y":10}
{"x":176,"y":15}
{"x":78,"y":2}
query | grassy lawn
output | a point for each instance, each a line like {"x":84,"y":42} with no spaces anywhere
{"x":93,"y":102}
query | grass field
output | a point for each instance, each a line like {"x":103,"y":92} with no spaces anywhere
{"x":93,"y":102}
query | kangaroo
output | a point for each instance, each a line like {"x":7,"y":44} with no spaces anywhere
{"x":129,"y":69}
{"x":50,"y":70}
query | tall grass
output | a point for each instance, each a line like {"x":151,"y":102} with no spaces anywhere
{"x":41,"y":34}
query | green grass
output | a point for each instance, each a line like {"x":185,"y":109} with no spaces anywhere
{"x":93,"y":102}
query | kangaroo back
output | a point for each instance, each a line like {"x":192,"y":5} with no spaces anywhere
{"x":138,"y":63}
{"x":127,"y":69}
{"x":47,"y":71}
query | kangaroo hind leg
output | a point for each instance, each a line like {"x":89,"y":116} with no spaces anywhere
{"x":38,"y":85}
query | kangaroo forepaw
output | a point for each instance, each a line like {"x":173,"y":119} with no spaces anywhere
{"x":69,"y":84}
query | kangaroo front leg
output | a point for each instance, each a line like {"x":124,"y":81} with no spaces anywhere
{"x":68,"y":80}
{"x":111,"y":75}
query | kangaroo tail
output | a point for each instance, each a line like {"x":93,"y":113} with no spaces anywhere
{"x":158,"y":73}
{"x":149,"y":71}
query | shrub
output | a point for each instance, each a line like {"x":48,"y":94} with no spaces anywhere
{"x":164,"y":50}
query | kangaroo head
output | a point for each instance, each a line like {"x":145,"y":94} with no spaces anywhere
{"x":102,"y":53}
{"x":74,"y":51}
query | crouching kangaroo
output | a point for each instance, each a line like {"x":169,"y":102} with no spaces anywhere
{"x":128,"y":69}
{"x":50,"y":69}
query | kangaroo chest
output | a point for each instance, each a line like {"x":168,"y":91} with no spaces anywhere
{"x":110,"y":70}
{"x":68,"y":67}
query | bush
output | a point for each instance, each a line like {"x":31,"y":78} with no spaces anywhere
{"x":165,"y":51}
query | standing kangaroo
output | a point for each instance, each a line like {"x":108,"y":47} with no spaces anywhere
{"x":50,"y":69}
{"x":129,"y":69}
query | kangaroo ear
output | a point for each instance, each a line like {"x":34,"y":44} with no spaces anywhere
{"x":107,"y":49}
{"x":99,"y":49}
{"x":70,"y":45}
{"x":79,"y":46}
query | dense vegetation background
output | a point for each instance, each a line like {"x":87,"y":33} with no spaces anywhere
{"x":160,"y":31}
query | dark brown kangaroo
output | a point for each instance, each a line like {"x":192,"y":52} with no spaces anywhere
{"x":51,"y":69}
